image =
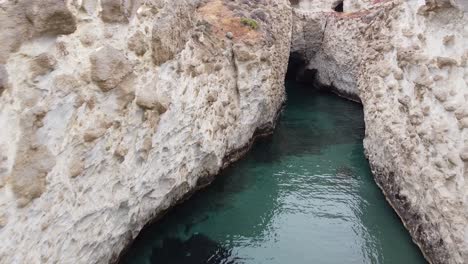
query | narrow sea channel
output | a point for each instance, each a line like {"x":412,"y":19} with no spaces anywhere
{"x":304,"y":195}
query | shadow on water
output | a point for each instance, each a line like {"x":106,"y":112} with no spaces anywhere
{"x":198,"y":249}
{"x":304,"y":195}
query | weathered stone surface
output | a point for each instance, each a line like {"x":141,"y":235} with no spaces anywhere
{"x":50,"y":16}
{"x":77,"y":166}
{"x":168,"y":40}
{"x":3,"y":79}
{"x":14,"y":30}
{"x":460,"y":4}
{"x":415,"y":119}
{"x":464,"y":154}
{"x":28,"y":175}
{"x":137,"y":43}
{"x":109,"y":67}
{"x":143,"y":145}
{"x":317,"y":46}
{"x":42,"y":64}
{"x":147,"y":98}
{"x":116,"y":10}
{"x":33,"y":161}
{"x":88,"y":38}
{"x":445,"y":62}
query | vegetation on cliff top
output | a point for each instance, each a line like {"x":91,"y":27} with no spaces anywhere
{"x":252,"y":23}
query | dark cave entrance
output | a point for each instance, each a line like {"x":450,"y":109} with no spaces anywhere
{"x":339,"y":7}
{"x":298,"y":71}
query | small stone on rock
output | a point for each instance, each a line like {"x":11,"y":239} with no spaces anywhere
{"x":109,"y":67}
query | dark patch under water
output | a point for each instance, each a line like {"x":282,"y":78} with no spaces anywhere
{"x":305,"y":195}
{"x":197,"y":249}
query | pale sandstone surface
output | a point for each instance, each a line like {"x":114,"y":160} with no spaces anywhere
{"x":113,"y":111}
{"x":407,"y":62}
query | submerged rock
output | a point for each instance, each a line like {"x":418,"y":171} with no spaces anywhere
{"x":197,"y":249}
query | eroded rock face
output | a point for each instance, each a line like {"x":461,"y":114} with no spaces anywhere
{"x":15,"y":29}
{"x":407,"y":62}
{"x":28,"y":175}
{"x":116,"y":10}
{"x":24,"y":19}
{"x":335,"y":56}
{"x":50,"y":16}
{"x":109,"y":67}
{"x":424,"y":136}
{"x":137,"y":43}
{"x":141,"y":110}
{"x":168,"y":40}
{"x":3,"y":79}
{"x":105,"y":126}
{"x":42,"y":64}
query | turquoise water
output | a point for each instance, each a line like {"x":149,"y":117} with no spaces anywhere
{"x":304,"y":195}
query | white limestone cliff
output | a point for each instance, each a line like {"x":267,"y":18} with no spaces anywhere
{"x":112,"y":111}
{"x":407,"y":61}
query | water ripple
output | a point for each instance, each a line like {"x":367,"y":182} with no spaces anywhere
{"x":306,"y":195}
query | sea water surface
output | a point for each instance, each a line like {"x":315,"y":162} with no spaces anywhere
{"x":304,"y":195}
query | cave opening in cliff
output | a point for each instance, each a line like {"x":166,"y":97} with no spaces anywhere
{"x":295,"y":197}
{"x":298,"y":71}
{"x":339,"y":7}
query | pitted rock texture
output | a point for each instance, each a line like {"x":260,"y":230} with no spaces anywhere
{"x":113,"y":111}
{"x":167,"y":40}
{"x":407,"y":61}
{"x":114,"y":11}
{"x":109,"y":67}
{"x":3,"y":79}
{"x":49,"y":16}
